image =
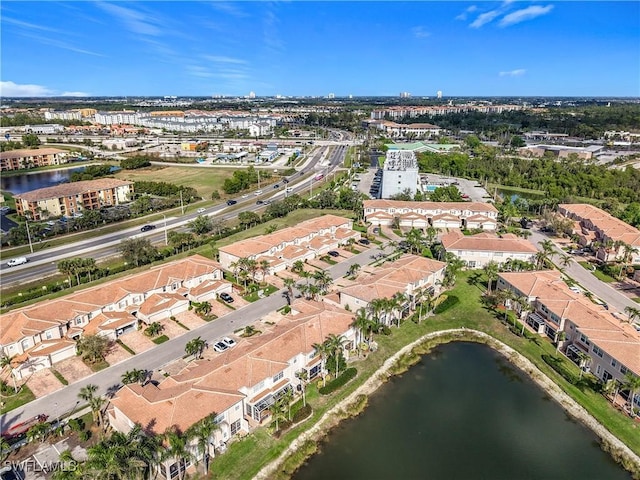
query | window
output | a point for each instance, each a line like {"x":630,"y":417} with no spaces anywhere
{"x":259,"y":386}
{"x":623,"y":370}
{"x":597,"y":351}
{"x":49,"y":335}
{"x":219,"y":419}
{"x":278,"y":376}
{"x":235,"y":427}
{"x":584,"y":340}
{"x":471,"y":264}
{"x":613,"y":362}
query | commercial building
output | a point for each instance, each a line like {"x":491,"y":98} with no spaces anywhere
{"x":31,"y":158}
{"x":43,"y":334}
{"x":399,"y":173}
{"x":612,"y":238}
{"x":478,"y":250}
{"x":472,"y":215}
{"x":307,"y":240}
{"x":70,"y":199}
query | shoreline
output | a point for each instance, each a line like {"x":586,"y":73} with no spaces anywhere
{"x":609,"y":442}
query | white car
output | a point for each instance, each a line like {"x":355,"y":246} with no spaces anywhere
{"x":17,"y":261}
{"x":245,"y":195}
{"x":229,"y":342}
{"x":257,"y":192}
{"x":200,"y":210}
{"x":219,"y":347}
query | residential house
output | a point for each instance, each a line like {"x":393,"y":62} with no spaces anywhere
{"x":442,"y":215}
{"x":612,"y":346}
{"x":478,"y":250}
{"x":613,"y":238}
{"x":409,"y":275}
{"x":282,"y":248}
{"x":43,"y":334}
{"x":238,"y":385}
{"x":72,"y":198}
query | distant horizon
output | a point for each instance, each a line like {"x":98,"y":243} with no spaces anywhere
{"x":312,"y":49}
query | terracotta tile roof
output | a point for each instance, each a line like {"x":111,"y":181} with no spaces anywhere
{"x":430,"y":206}
{"x":30,"y":152}
{"x":612,"y":227}
{"x":72,"y":189}
{"x":159,"y":302}
{"x":106,"y":321}
{"x":47,"y":347}
{"x":488,"y":243}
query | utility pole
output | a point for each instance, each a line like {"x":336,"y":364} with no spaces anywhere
{"x":181,"y":203}
{"x":26,"y":223}
{"x":166,"y":240}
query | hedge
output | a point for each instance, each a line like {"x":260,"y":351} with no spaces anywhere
{"x":335,"y":384}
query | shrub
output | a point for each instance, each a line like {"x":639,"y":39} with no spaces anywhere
{"x":333,"y":385}
{"x":76,"y":424}
{"x":385,"y":330}
{"x":84,"y":435}
{"x":302,"y":413}
{"x":449,"y":302}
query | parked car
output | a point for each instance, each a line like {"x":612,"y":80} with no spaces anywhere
{"x":364,"y":241}
{"x":17,"y":261}
{"x":276,"y":186}
{"x":259,"y":202}
{"x":231,"y":202}
{"x":201,"y":210}
{"x":257,"y":192}
{"x":229,"y":342}
{"x":226,"y":297}
{"x":333,"y":253}
{"x":245,"y":195}
{"x":219,"y":347}
{"x":285,"y":180}
{"x":146,"y":228}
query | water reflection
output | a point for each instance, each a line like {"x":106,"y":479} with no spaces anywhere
{"x":33,"y":181}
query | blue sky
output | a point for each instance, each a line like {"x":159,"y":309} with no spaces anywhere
{"x":316,"y":48}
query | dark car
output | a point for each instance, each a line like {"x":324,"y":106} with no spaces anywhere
{"x":285,"y":180}
{"x":333,"y":253}
{"x":226,"y":297}
{"x":146,"y":228}
{"x":231,"y":202}
{"x":259,"y":202}
{"x":364,"y":241}
{"x":276,"y":186}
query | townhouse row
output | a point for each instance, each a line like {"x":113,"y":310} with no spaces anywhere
{"x":614,"y":238}
{"x":612,"y":346}
{"x":40,"y":335}
{"x":441,"y":215}
{"x":32,"y":158}
{"x":281,"y":249}
{"x":240,"y":384}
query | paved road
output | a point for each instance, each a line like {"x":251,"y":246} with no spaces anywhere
{"x":64,"y":400}
{"x":43,"y":263}
{"x":585,"y":278}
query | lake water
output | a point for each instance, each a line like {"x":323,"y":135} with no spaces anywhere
{"x":462,"y":413}
{"x":33,"y":181}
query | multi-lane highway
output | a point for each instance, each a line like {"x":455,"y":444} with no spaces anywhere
{"x":43,"y":263}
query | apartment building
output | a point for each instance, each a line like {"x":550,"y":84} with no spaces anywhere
{"x":307,"y":240}
{"x":478,"y":250}
{"x":239,"y":385}
{"x":399,"y":173}
{"x":443,"y":215}
{"x":613,"y":238}
{"x":403,"y":130}
{"x":43,"y":334}
{"x":409,"y":275}
{"x":612,"y":346}
{"x":70,"y":199}
{"x":31,"y":158}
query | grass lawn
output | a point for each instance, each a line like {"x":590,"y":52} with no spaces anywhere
{"x":266,"y":291}
{"x":492,"y":186}
{"x":160,"y":339}
{"x":245,"y":458}
{"x":599,"y":274}
{"x":12,"y":402}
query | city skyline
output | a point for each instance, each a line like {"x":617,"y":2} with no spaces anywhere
{"x":318,"y":48}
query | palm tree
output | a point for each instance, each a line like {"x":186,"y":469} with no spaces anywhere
{"x":323,"y":280}
{"x":263,"y":266}
{"x":633,"y":313}
{"x":376,"y":307}
{"x":627,"y":255}
{"x":560,"y":337}
{"x":323,"y":350}
{"x":278,"y":409}
{"x":548,"y":250}
{"x":353,"y":270}
{"x":134,"y":376}
{"x":565,"y":261}
{"x":5,"y":449}
{"x":202,"y":432}
{"x":5,"y":361}
{"x":631,"y":383}
{"x":525,"y":308}
{"x":289,"y":283}
{"x":454,"y":265}
{"x":335,"y":345}
{"x":360,"y":323}
{"x":154,"y":329}
{"x":202,"y":308}
{"x":583,"y":361}
{"x":297,"y":267}
{"x":87,"y":393}
{"x":313,"y":291}
{"x":39,"y":430}
{"x":397,"y":304}
{"x":177,"y":449}
{"x":491,"y":271}
{"x":303,"y":376}
{"x":195,"y":347}
{"x":235,"y":268}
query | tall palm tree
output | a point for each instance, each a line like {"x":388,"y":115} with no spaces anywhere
{"x":632,"y":383}
{"x":491,"y":271}
{"x":202,"y":432}
{"x":376,"y":307}
{"x":263,"y":266}
{"x":303,"y":376}
{"x":322,"y":350}
{"x":195,"y":347}
{"x":278,"y":411}
{"x":134,"y":376}
{"x":39,"y":431}
{"x":633,"y":313}
{"x":202,"y":308}
{"x":335,"y":345}
{"x":397,"y":304}
{"x":297,"y":267}
{"x":289,"y":283}
{"x":547,"y":252}
{"x":177,"y":449}
{"x":5,"y":361}
{"x":88,"y":394}
{"x":323,"y":280}
{"x":565,"y":261}
{"x":360,"y":324}
{"x":353,"y":270}
{"x":155,"y":328}
{"x":584,"y":361}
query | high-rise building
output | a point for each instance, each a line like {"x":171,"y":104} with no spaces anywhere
{"x":399,"y":173}
{"x":439,"y":94}
{"x":252,"y":94}
{"x":331,"y":95}
{"x":405,"y":95}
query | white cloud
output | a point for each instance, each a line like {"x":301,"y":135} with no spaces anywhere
{"x":525,"y":14}
{"x":491,"y":15}
{"x":75,"y":94}
{"x":420,"y":32}
{"x":30,"y":26}
{"x":223,"y":59}
{"x":228,"y":8}
{"x":136,"y":22}
{"x":463,"y":15}
{"x":513,"y":73}
{"x":11,"y":89}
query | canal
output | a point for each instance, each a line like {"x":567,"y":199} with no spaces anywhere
{"x":463,"y":412}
